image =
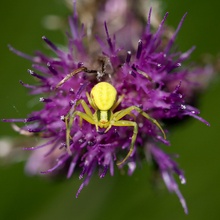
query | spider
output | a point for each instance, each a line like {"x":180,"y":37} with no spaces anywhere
{"x":103,"y":99}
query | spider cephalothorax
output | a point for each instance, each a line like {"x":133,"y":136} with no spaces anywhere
{"x":103,"y":99}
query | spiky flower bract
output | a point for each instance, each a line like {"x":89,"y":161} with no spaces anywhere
{"x":151,"y":75}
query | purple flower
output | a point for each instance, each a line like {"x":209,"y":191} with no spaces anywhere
{"x":150,"y":76}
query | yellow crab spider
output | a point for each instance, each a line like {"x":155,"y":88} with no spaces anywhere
{"x":103,"y":100}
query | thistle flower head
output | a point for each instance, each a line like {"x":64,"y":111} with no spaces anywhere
{"x":149,"y":75}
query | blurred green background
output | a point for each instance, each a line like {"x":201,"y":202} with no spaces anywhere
{"x":119,"y":197}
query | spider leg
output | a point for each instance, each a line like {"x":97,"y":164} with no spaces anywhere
{"x":154,"y":121}
{"x":117,"y":103}
{"x":83,"y":116}
{"x":90,"y":101}
{"x":87,"y":116}
{"x":120,"y":114}
{"x":117,"y":122}
{"x":68,"y":137}
{"x":126,"y":123}
{"x":114,"y":118}
{"x":85,"y":108}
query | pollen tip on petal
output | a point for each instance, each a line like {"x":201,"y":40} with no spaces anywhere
{"x":128,"y":58}
{"x":41,"y":99}
{"x":30,"y":71}
{"x":139,"y":50}
{"x":182,"y":179}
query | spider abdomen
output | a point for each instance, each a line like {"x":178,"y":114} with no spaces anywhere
{"x":103,"y":95}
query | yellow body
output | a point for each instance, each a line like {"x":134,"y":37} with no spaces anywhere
{"x":103,"y":100}
{"x":103,"y":95}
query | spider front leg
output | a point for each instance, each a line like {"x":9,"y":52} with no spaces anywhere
{"x":118,"y":115}
{"x":69,"y":119}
